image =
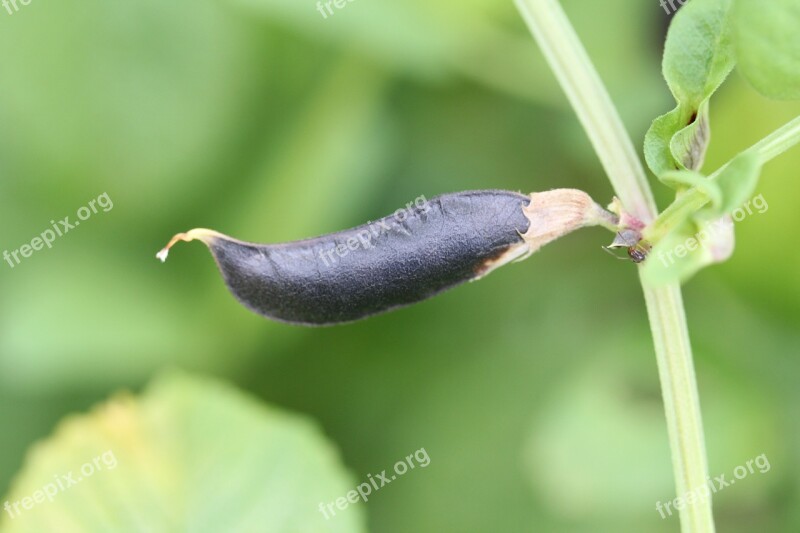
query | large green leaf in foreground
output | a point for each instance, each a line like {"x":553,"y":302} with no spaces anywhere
{"x":189,"y":455}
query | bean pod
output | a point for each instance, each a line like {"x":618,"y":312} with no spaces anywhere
{"x":409,"y":256}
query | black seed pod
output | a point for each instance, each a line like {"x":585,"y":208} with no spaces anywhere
{"x":417,"y":252}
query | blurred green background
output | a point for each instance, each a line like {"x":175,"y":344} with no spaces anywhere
{"x":535,"y":391}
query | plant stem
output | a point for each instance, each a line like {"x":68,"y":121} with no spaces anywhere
{"x":779,"y":141}
{"x":580,"y":81}
{"x":681,"y":401}
{"x":692,"y":200}
{"x":588,"y":96}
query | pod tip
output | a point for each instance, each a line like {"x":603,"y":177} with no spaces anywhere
{"x":201,"y":234}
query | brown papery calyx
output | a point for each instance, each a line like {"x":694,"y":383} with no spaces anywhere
{"x":556,"y":213}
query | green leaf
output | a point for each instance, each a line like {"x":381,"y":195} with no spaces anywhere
{"x":706,"y":237}
{"x":190,"y":455}
{"x":688,"y":146}
{"x":738,"y":181}
{"x":698,"y":56}
{"x":678,"y":140}
{"x":767,"y":36}
{"x":687,"y":250}
{"x":657,"y":150}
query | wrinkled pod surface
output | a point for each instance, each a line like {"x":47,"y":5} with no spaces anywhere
{"x":409,"y":256}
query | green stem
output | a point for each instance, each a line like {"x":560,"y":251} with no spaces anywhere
{"x":568,"y":59}
{"x":589,"y":97}
{"x":681,"y":401}
{"x":692,"y":200}
{"x":779,"y":141}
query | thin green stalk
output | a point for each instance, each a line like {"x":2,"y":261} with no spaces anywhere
{"x":692,"y":200}
{"x":589,"y":97}
{"x":779,"y":141}
{"x":568,"y":59}
{"x":681,"y":401}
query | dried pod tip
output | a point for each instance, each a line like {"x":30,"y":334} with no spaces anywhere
{"x":200,"y":234}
